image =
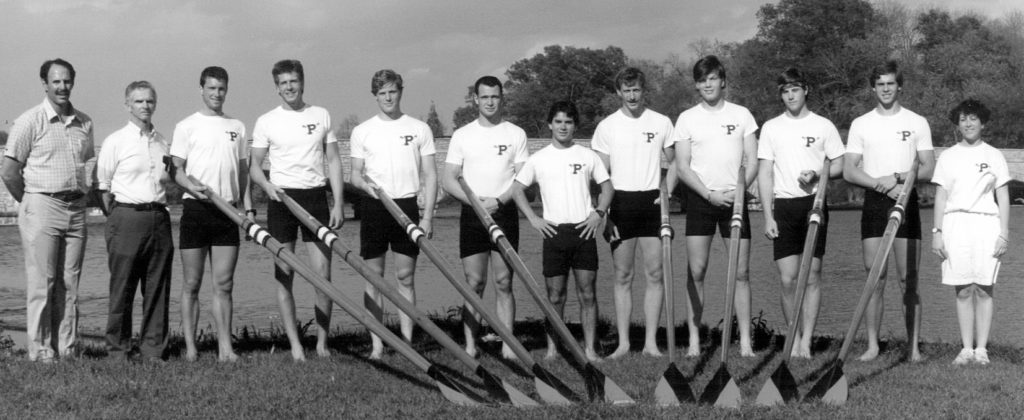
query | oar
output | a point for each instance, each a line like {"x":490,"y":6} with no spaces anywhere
{"x":781,"y":386}
{"x":452,"y":390}
{"x":673,"y":387}
{"x":550,"y":389}
{"x":498,"y":388}
{"x":833,"y":387}
{"x":722,"y":391}
{"x":598,"y":385}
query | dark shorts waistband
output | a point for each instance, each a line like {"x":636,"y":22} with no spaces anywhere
{"x":142,"y":206}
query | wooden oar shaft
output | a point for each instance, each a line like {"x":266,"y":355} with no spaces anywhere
{"x":561,"y":330}
{"x":814,"y":220}
{"x":262,"y":237}
{"x":734,"y":258}
{"x":418,"y":236}
{"x":666,"y":234}
{"x":896,"y":217}
{"x":357,"y":263}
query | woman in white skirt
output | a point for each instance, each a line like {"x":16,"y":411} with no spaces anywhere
{"x":972,"y":210}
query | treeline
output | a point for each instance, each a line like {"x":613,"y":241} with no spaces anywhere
{"x":946,"y":57}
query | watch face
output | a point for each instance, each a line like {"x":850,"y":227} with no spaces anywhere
{"x":936,"y":230}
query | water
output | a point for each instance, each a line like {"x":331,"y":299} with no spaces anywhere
{"x":843,"y":277}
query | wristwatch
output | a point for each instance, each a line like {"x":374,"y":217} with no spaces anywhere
{"x":897,"y":175}
{"x":936,"y":230}
{"x":252,"y":211}
{"x":600,"y":212}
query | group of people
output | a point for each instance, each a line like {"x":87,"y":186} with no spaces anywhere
{"x":50,"y":168}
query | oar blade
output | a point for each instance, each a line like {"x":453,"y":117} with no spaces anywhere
{"x":832,"y":388}
{"x":518,"y":398}
{"x":550,"y":389}
{"x":780,"y":388}
{"x":503,"y":391}
{"x":600,"y":386}
{"x":722,"y":391}
{"x":673,"y":388}
{"x":452,"y":390}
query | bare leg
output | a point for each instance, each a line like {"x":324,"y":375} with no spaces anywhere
{"x":556,"y":296}
{"x":697,"y":250}
{"x":320,"y":260}
{"x":965,"y":314}
{"x":192,"y":262}
{"x":405,"y":272}
{"x":789,"y":268}
{"x":286,"y":303}
{"x":503,"y":297}
{"x":475,"y":268}
{"x":223,"y":260}
{"x":623,"y":258}
{"x":653,"y":294}
{"x":983,"y":308}
{"x":374,"y":303}
{"x":585,"y":280}
{"x":812,"y":301}
{"x":742,"y":299}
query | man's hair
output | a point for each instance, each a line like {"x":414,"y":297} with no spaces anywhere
{"x":628,"y":76}
{"x":970,"y":107}
{"x":288,"y":66}
{"x":568,"y":107}
{"x":489,"y":81}
{"x":707,"y":65}
{"x":790,"y":77}
{"x":890,"y":67}
{"x":382,"y":78}
{"x":213,"y":72}
{"x":137,"y":85}
{"x":44,"y":70}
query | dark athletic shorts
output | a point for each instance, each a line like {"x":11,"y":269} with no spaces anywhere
{"x":282,"y":224}
{"x":876,"y":215}
{"x":791,"y":216}
{"x":378,"y":229}
{"x":702,"y":218}
{"x":203,"y":225}
{"x":473,"y":237}
{"x":635,"y":214}
{"x":566,"y":250}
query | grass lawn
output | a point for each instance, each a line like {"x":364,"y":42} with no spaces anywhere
{"x":265,"y":383}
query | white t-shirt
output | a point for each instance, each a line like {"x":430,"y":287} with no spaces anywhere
{"x":211,"y":146}
{"x":716,"y":142}
{"x":488,"y":155}
{"x":970,"y":174}
{"x":392,"y":151}
{"x":888,"y":142}
{"x":295,"y":140}
{"x":634,"y":146}
{"x":564,"y":177}
{"x":796,"y":145}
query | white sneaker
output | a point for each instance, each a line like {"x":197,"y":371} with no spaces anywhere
{"x":981,"y":356}
{"x":966,"y":356}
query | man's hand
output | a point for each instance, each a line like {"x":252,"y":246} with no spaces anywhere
{"x":885,"y":184}
{"x":721,"y":198}
{"x":590,"y":225}
{"x":545,"y":227}
{"x":371,"y":189}
{"x":490,"y":204}
{"x":771,"y":229}
{"x":273,"y":191}
{"x":807,"y":178}
{"x":611,"y":232}
{"x":199,"y":191}
{"x":337,"y":219}
{"x":427,"y":227}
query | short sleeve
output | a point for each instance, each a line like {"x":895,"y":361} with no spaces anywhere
{"x":600,"y":173}
{"x":528,"y":174}
{"x":332,"y":135}
{"x":260,"y":137}
{"x":749,"y":122}
{"x":522,"y":152}
{"x":765,"y":149}
{"x":855,"y":139}
{"x":356,"y":148}
{"x":454,"y":155}
{"x":833,"y":142}
{"x":940,"y":175}
{"x":19,"y":142}
{"x":669,"y":133}
{"x":179,"y":142}
{"x":1001,"y":170}
{"x":600,"y":142}
{"x":243,"y":142}
{"x":924,"y":141}
{"x":681,"y":132}
{"x":427,"y":147}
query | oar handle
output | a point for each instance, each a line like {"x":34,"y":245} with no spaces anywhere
{"x":736,"y":228}
{"x":666,"y":233}
{"x":435,"y":256}
{"x":896,"y":217}
{"x":529,"y":281}
{"x":814,"y":220}
{"x":262,"y":237}
{"x":331,"y":239}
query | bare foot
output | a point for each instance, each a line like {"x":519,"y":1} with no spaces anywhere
{"x":619,"y":352}
{"x":592,"y":355}
{"x":507,"y":352}
{"x":229,"y":357}
{"x":746,"y":352}
{"x":323,"y":352}
{"x":651,"y":351}
{"x":298,"y":355}
{"x":472,"y":352}
{"x":869,"y":355}
{"x":191,"y":355}
{"x":915,"y":356}
{"x":551,"y":354}
{"x":376,"y":353}
{"x":693,"y":351}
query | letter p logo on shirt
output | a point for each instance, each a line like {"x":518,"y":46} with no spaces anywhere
{"x":502,"y":148}
{"x":407,"y":139}
{"x":576,"y":167}
{"x":729,"y":128}
{"x":310,"y":128}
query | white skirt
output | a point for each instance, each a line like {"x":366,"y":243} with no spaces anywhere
{"x":970,"y":241}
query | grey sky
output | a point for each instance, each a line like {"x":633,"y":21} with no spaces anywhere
{"x":439,"y":46}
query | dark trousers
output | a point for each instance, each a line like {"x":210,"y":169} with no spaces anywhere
{"x":139,"y":250}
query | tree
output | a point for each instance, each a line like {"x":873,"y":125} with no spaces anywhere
{"x":582,"y":75}
{"x":434,"y":121}
{"x":467,"y":113}
{"x":3,"y":138}
{"x":344,"y":128}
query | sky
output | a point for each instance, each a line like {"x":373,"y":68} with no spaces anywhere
{"x":439,"y":47}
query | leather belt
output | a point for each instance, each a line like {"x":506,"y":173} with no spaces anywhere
{"x":65,"y":196}
{"x":142,"y":206}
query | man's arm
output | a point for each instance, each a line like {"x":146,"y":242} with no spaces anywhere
{"x":835,"y":169}
{"x":672,"y":173}
{"x":429,"y":193}
{"x":546,"y":228}
{"x":450,"y":182}
{"x":197,"y":190}
{"x":11,"y":172}
{"x":853,"y":174}
{"x":766,"y":192}
{"x":257,"y":175}
{"x":750,"y":156}
{"x":334,"y":176}
{"x":594,"y":220}
{"x":927,"y":166}
{"x":690,"y":178}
